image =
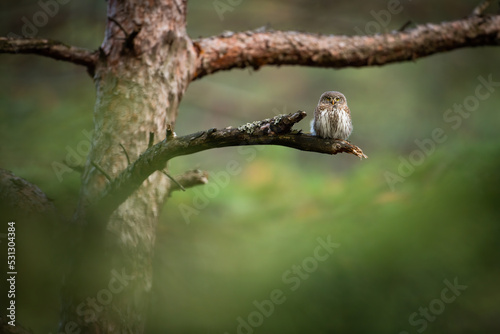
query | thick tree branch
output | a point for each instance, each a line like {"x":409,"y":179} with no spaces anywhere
{"x":256,"y":49}
{"x":272,"y":131}
{"x":50,"y":48}
{"x":19,"y":197}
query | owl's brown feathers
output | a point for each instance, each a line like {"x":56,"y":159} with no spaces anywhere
{"x":332,"y":117}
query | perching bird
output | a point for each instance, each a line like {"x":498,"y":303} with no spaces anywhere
{"x":332,"y":118}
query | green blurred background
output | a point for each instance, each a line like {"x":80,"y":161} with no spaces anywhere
{"x":224,"y":247}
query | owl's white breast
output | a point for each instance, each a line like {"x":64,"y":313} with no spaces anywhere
{"x":324,"y":125}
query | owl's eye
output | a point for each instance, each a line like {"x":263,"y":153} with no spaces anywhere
{"x":337,"y":99}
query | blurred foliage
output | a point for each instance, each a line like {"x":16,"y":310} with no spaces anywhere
{"x":396,"y":247}
{"x":247,"y":230}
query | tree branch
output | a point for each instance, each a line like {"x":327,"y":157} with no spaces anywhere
{"x":256,"y":49}
{"x":272,"y":131}
{"x":479,"y":9}
{"x":189,"y":179}
{"x":19,"y":197}
{"x":51,"y":49}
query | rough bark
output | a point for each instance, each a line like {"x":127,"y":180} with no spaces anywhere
{"x":145,"y":64}
{"x":259,"y":48}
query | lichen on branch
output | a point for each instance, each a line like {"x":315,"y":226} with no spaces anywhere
{"x":272,"y":131}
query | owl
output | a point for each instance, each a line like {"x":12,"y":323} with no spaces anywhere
{"x":332,"y":118}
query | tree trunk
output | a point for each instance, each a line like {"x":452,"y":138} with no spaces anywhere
{"x":145,"y":64}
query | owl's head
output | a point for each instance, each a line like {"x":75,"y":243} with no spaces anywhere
{"x":332,"y":98}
